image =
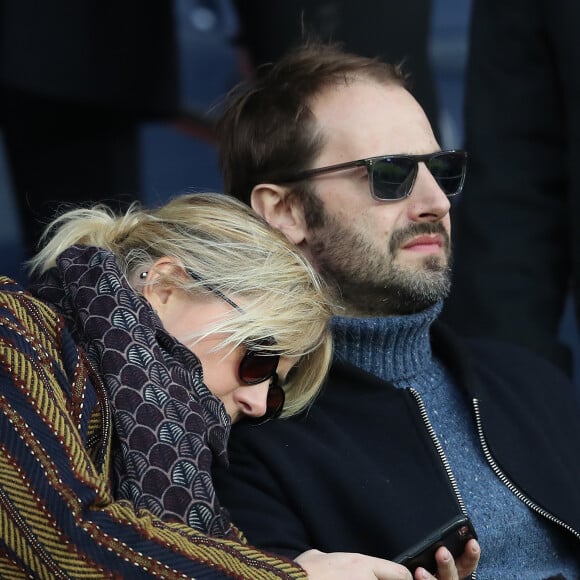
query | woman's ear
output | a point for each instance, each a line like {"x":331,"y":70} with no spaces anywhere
{"x":280,"y":209}
{"x":158,"y":294}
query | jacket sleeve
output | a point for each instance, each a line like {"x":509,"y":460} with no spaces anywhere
{"x":59,"y":518}
{"x":254,"y":490}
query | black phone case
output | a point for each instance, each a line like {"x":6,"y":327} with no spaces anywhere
{"x":453,"y":535}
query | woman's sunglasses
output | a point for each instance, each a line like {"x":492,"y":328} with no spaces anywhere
{"x":256,"y":366}
{"x":391,"y":177}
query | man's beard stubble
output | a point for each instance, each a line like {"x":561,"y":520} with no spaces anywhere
{"x":370,"y":282}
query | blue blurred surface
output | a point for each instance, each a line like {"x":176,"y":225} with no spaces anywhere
{"x":11,"y":250}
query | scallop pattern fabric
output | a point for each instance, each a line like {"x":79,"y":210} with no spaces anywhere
{"x":169,"y":426}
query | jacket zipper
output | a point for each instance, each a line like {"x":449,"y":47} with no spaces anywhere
{"x":442,"y":456}
{"x":508,"y":483}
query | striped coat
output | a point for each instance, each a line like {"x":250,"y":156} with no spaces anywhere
{"x":58,"y":518}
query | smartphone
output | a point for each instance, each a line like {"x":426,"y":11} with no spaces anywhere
{"x":453,"y":535}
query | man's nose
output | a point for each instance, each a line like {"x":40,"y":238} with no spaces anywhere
{"x":427,"y":201}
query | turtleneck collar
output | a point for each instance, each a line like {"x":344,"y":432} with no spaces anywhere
{"x":395,"y":348}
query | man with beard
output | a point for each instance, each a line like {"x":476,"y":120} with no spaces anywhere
{"x":414,"y":429}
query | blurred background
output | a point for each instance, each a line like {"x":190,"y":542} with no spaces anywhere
{"x":115,"y":102}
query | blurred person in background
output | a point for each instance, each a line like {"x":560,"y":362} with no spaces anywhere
{"x":516,"y":235}
{"x":390,"y":30}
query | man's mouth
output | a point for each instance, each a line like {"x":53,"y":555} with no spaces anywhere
{"x":426,"y":243}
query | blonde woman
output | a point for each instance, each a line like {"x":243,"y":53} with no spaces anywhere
{"x":98,"y":370}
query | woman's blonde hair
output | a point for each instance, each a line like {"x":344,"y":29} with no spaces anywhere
{"x":230,"y":249}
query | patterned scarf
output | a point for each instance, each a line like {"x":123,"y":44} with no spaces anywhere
{"x":169,"y":425}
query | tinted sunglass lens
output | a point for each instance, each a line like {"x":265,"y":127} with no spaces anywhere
{"x":275,"y":401}
{"x":448,"y":169}
{"x":393,"y":177}
{"x":257,"y":367}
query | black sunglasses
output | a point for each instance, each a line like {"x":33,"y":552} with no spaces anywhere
{"x":391,"y":177}
{"x":256,"y":366}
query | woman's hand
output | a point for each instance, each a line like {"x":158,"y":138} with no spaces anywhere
{"x":351,"y":566}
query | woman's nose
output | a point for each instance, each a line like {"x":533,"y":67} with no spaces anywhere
{"x":252,"y":400}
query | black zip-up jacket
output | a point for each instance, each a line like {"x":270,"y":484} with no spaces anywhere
{"x":360,"y":471}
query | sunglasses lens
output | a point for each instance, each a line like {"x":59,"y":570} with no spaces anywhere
{"x":257,"y":367}
{"x":393,"y":177}
{"x":275,"y":401}
{"x":448,"y":169}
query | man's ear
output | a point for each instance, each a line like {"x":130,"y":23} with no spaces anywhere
{"x":281,"y":210}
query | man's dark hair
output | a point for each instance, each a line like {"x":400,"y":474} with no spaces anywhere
{"x":267,"y":129}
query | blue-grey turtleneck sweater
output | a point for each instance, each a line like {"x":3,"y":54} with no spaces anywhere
{"x":515,"y":542}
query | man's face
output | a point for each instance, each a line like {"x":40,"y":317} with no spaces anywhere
{"x":383,"y":257}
